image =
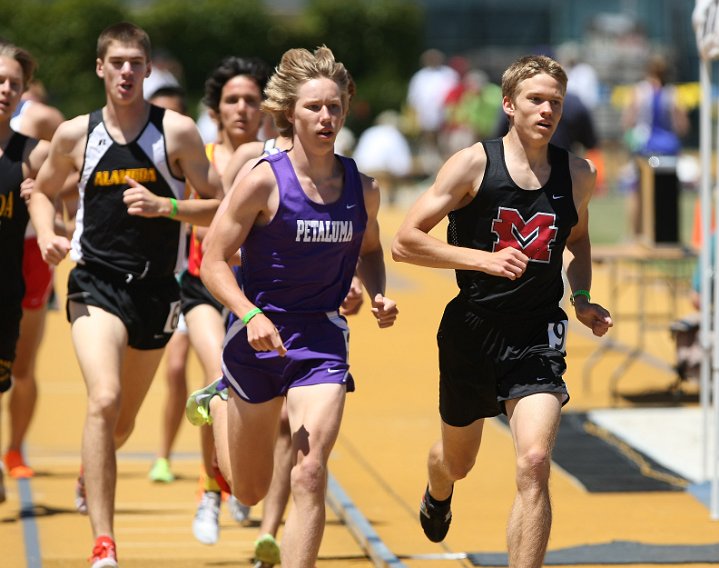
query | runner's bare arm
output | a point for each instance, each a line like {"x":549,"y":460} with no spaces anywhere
{"x":579,"y":250}
{"x":371,"y":268}
{"x":455,"y":186}
{"x":63,"y":160}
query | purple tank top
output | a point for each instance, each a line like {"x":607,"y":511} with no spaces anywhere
{"x":304,"y":259}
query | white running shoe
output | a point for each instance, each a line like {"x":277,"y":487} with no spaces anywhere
{"x":239,"y":511}
{"x":206,"y":525}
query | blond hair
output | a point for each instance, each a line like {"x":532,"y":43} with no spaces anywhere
{"x":529,"y":66}
{"x":297,"y":67}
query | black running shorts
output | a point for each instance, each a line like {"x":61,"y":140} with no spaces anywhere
{"x":194,"y":293}
{"x":149,"y":308}
{"x":484,"y":362}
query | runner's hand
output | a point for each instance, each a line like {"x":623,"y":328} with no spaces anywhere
{"x":262,"y":335}
{"x":385,"y":310}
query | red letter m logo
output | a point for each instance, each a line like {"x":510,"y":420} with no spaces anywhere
{"x":532,"y":237}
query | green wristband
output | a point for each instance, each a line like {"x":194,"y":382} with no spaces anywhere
{"x":173,"y":212}
{"x":249,"y":315}
{"x":584,"y":293}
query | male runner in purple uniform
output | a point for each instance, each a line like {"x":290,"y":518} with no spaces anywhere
{"x":303,"y":219}
{"x":513,"y":205}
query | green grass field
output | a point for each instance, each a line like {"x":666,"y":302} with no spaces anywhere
{"x":609,"y":223}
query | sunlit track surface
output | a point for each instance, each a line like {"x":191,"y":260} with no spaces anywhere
{"x":378,"y":461}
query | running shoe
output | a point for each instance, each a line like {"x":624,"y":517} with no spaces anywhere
{"x":267,"y":551}
{"x":16,"y":466}
{"x":197,"y":408}
{"x":80,"y":495}
{"x":160,"y":472}
{"x":206,"y":526}
{"x":104,"y":553}
{"x":239,"y":511}
{"x":434,"y":520}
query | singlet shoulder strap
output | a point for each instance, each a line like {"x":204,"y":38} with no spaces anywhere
{"x":493,"y":148}
{"x":352,"y":175}
{"x":275,"y":158}
{"x":350,"y":166}
{"x":16,"y":146}
{"x":558,"y":156}
{"x":210,"y":152}
{"x":95,"y":119}
{"x":269,"y":146}
{"x":495,"y":160}
{"x":21,"y":107}
{"x":156,"y":115}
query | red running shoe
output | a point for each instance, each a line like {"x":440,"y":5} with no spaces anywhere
{"x":104,"y":553}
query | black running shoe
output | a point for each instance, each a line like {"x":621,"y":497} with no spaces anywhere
{"x":434,"y":520}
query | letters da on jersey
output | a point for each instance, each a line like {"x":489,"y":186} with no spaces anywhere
{"x":7,"y":205}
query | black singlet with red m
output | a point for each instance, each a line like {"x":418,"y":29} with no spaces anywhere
{"x":106,"y":235}
{"x":536,"y":222}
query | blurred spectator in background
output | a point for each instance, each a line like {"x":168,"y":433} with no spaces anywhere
{"x":166,"y":72}
{"x":654,"y":123}
{"x":426,"y":94}
{"x":384,"y":153}
{"x":169,"y":97}
{"x":205,"y":124}
{"x":461,"y":65}
{"x":473,"y":115}
{"x":582,"y":79}
{"x":33,"y":116}
{"x":653,"y":120}
{"x":345,"y":142}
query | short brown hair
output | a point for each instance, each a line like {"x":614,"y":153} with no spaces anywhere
{"x":23,"y":57}
{"x":123,"y":32}
{"x":529,"y":66}
{"x":297,"y":67}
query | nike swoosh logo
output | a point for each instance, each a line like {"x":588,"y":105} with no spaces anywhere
{"x":557,"y":196}
{"x":335,"y":370}
{"x":351,"y":206}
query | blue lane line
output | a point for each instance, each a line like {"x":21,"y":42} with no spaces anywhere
{"x":29,"y":526}
{"x":360,"y":527}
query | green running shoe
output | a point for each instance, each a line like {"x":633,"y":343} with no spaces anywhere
{"x":197,"y":408}
{"x":267,"y":551}
{"x":160,"y":472}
